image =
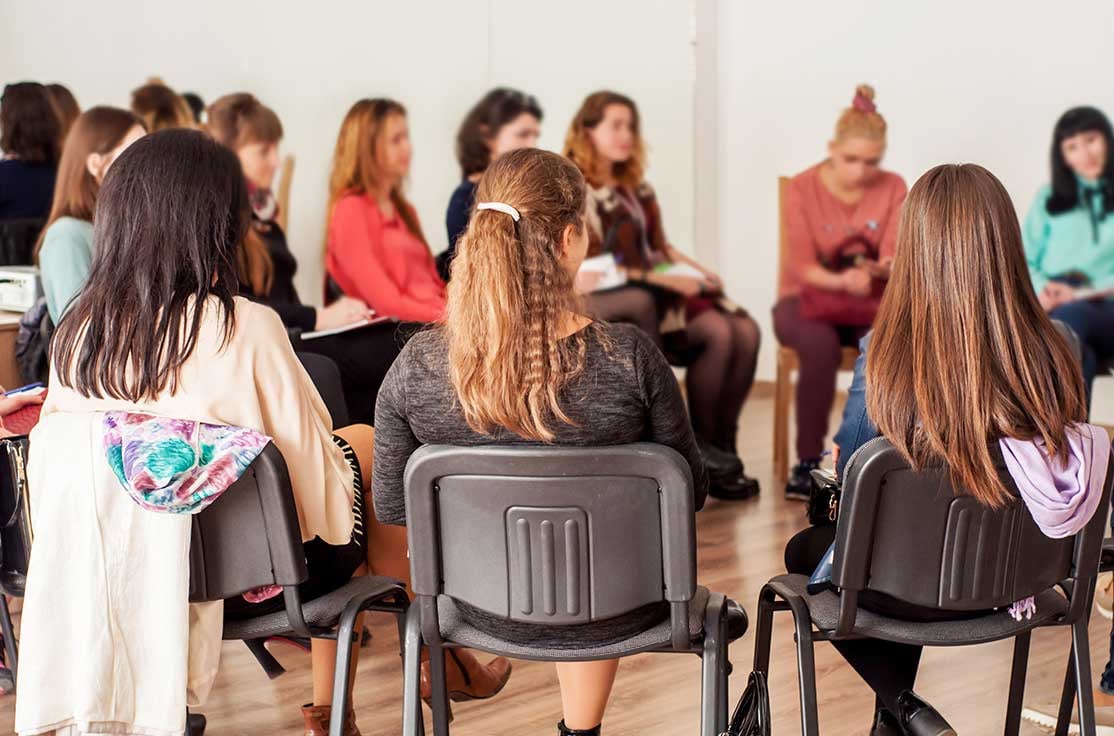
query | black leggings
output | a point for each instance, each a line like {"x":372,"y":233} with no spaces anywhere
{"x":363,"y":357}
{"x":888,"y":667}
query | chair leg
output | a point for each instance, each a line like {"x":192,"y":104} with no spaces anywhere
{"x":346,"y":639}
{"x":806,"y":668}
{"x":266,"y":660}
{"x":1067,"y":697}
{"x":763,"y":632}
{"x":1017,"y":683}
{"x":782,"y":406}
{"x":713,"y":690}
{"x":404,"y":601}
{"x":412,"y":678}
{"x":1081,"y":658}
{"x":440,"y":702}
{"x":11,"y":648}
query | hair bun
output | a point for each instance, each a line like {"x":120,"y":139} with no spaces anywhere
{"x":864,"y":99}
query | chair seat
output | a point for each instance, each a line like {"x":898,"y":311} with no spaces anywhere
{"x":824,"y":610}
{"x":456,"y":629}
{"x":322,"y":612}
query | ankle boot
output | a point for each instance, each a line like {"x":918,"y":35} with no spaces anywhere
{"x":918,"y":718}
{"x":317,"y":718}
{"x":563,"y":730}
{"x":465,"y":677}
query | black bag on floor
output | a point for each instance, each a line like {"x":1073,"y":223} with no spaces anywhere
{"x":752,"y":714}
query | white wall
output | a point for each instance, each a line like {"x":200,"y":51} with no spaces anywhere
{"x":311,"y":61}
{"x":957,"y":81}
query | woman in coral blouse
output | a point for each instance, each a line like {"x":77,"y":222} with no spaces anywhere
{"x":375,"y":250}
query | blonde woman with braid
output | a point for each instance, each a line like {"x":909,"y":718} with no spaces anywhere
{"x":515,"y":361}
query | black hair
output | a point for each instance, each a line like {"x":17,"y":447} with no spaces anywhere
{"x":170,"y":216}
{"x":1065,"y":188}
{"x":197,"y":105}
{"x":29,"y":123}
{"x":497,"y":108}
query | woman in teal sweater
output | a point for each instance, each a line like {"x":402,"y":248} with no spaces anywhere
{"x":65,"y":251}
{"x":1069,"y":234}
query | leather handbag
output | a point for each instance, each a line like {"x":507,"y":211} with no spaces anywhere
{"x":15,"y":514}
{"x":823,"y":498}
{"x":840,"y":307}
{"x":752,"y":714}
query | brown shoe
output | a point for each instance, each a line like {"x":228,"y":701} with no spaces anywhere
{"x":317,"y":721}
{"x":465,"y":677}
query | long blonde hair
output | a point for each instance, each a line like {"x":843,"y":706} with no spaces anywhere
{"x":510,"y":296}
{"x":962,"y":353}
{"x":580,"y":149}
{"x":356,"y":161}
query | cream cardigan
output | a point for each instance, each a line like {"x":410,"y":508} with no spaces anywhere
{"x":109,"y":642}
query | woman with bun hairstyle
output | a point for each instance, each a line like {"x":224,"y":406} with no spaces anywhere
{"x":719,"y":340}
{"x":161,"y":107}
{"x":842,"y":215}
{"x":504,"y":120}
{"x":253,"y":132}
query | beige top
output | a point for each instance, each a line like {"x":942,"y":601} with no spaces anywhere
{"x":111,"y":580}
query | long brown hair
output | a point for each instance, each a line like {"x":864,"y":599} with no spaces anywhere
{"x":170,"y":217}
{"x":356,"y":161}
{"x":962,"y":352}
{"x":97,"y":130}
{"x":235,"y":121}
{"x":66,"y":105}
{"x":161,"y":107}
{"x":579,"y":147}
{"x":29,"y":124}
{"x":509,"y":297}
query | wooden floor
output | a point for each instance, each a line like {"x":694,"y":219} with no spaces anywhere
{"x":740,"y":548}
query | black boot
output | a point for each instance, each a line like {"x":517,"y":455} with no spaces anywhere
{"x":799,"y":486}
{"x":885,"y":724}
{"x":918,"y":718}
{"x":739,"y":488}
{"x":564,"y":730}
{"x":720,"y":465}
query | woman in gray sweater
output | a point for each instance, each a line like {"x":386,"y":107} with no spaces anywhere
{"x":516,"y":362}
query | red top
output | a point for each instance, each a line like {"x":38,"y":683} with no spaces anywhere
{"x":819,"y":223}
{"x":380,"y":261}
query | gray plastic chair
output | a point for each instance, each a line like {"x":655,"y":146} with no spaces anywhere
{"x":249,"y":538}
{"x":908,"y":535}
{"x":556,"y":536}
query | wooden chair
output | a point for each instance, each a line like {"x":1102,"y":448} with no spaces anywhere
{"x":787,"y":361}
{"x":283,"y":195}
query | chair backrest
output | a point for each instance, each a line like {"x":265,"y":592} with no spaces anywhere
{"x":909,"y":535}
{"x":17,"y":240}
{"x":782,"y":229}
{"x":326,"y":379}
{"x":283,"y":195}
{"x":249,"y":537}
{"x":553,"y":535}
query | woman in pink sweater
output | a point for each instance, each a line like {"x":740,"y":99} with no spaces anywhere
{"x":375,"y":250}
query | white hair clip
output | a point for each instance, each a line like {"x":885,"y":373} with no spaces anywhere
{"x":506,"y":209}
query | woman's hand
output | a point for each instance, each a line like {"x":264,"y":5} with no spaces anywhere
{"x":856,"y":281}
{"x":881,"y":269}
{"x":343,"y":311}
{"x":1054,"y":294}
{"x":12,"y":404}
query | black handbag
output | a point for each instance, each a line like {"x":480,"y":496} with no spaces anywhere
{"x":823,"y":498}
{"x":752,"y":714}
{"x":15,"y":515}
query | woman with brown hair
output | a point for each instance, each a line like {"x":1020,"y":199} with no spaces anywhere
{"x":30,"y":140}
{"x":720,"y":339}
{"x":516,"y":362}
{"x":161,"y":107}
{"x":965,"y":368}
{"x":267,"y":266}
{"x":375,"y":250}
{"x":841,"y":217}
{"x":65,"y":250}
{"x":66,"y":105}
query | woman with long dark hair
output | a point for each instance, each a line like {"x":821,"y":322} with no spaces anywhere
{"x":159,"y":332}
{"x":1069,"y":234}
{"x":31,"y":139}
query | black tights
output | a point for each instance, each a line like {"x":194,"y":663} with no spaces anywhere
{"x":719,"y":379}
{"x":888,"y":667}
{"x":629,"y":304}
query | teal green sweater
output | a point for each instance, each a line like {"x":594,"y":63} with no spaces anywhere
{"x":64,"y":262}
{"x":1073,"y":241}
